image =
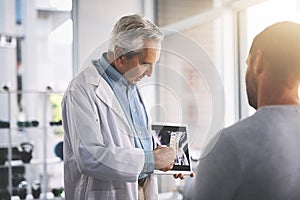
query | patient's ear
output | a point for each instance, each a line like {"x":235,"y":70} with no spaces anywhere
{"x":258,"y":63}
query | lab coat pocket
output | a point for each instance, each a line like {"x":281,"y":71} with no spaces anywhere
{"x":105,"y":194}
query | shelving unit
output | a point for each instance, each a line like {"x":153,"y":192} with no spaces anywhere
{"x":37,"y":168}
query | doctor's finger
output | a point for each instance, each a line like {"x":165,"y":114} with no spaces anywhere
{"x":168,"y":167}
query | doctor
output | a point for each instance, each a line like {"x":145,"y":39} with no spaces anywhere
{"x":108,"y":150}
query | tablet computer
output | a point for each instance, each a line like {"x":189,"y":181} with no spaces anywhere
{"x":175,"y":136}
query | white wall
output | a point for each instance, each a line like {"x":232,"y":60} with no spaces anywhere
{"x":93,"y":23}
{"x":96,"y":19}
{"x":8,"y":57}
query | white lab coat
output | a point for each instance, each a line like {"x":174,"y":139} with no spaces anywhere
{"x":100,"y":158}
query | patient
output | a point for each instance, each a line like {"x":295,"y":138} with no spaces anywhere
{"x":259,"y":157}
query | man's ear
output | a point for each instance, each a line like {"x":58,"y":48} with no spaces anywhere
{"x":118,"y":53}
{"x":118,"y":56}
{"x":258,"y":62}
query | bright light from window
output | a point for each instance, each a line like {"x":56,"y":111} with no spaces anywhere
{"x":61,"y":4}
{"x":54,"y":5}
{"x":268,"y":13}
{"x":62,"y":34}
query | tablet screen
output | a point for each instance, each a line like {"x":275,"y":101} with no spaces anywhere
{"x":174,"y":136}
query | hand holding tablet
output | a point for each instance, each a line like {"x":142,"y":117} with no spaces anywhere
{"x":174,"y":137}
{"x":181,"y":176}
{"x":163,"y":157}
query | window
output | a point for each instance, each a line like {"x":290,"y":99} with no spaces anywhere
{"x":253,"y":20}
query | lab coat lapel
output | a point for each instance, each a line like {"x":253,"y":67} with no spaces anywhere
{"x":103,"y":91}
{"x":107,"y":96}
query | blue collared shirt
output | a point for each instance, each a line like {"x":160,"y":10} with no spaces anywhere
{"x":134,"y":109}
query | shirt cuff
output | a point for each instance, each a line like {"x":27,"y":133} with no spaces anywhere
{"x":149,"y":163}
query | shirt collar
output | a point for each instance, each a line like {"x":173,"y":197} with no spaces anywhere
{"x":104,"y":67}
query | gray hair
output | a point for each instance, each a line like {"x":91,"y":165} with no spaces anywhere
{"x":130,"y":32}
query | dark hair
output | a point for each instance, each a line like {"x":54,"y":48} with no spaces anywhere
{"x":280,"y":44}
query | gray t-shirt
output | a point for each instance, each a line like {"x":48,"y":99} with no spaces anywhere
{"x":256,"y":159}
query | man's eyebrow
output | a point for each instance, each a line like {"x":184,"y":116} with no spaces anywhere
{"x":147,"y":63}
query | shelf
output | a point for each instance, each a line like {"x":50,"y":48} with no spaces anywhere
{"x":31,"y":198}
{"x":35,"y":128}
{"x":15,"y":128}
{"x":15,"y":163}
{"x":49,"y":196}
{"x":31,"y":91}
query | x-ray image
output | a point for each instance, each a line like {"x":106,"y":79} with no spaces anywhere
{"x":175,"y":137}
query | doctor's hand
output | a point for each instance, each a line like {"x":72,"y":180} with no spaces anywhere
{"x":167,"y":168}
{"x":181,"y":176}
{"x":163,"y":158}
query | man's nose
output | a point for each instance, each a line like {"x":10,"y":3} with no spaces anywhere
{"x":149,"y":71}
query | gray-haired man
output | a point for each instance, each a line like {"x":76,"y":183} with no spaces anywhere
{"x":108,"y":149}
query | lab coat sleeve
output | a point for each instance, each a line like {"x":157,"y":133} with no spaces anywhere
{"x":92,"y":155}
